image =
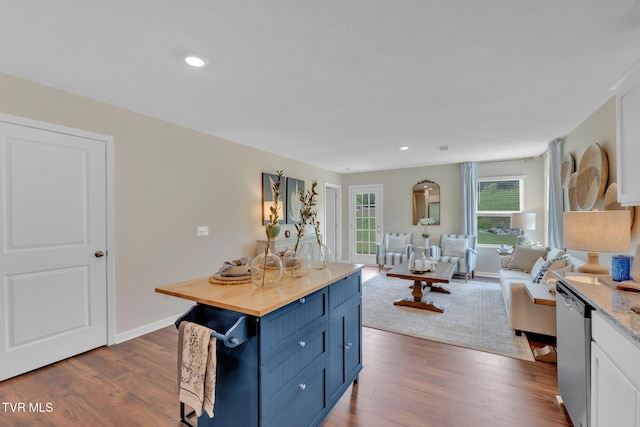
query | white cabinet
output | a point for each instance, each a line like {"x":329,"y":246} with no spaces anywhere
{"x":282,"y":244}
{"x":613,"y":397}
{"x":615,"y":376}
{"x":628,"y":139}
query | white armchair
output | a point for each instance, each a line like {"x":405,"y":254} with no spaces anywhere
{"x":458,"y":249}
{"x":394,"y":249}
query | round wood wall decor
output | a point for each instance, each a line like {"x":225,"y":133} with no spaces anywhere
{"x":611,"y":202}
{"x":573,"y":201}
{"x":566,"y":169}
{"x":593,"y":173}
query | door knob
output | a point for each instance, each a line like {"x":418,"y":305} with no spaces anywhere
{"x":99,"y":254}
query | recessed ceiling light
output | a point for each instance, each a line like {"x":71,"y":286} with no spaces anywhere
{"x":443,"y":148}
{"x":196,"y":61}
{"x":404,"y":147}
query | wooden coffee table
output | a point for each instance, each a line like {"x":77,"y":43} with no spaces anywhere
{"x":442,"y":274}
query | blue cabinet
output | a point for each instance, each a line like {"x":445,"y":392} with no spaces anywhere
{"x":297,"y":366}
{"x":293,"y":352}
{"x":345,"y":336}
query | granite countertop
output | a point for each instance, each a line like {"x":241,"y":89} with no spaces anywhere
{"x":601,"y":293}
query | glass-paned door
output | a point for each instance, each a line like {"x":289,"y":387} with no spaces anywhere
{"x":365,"y":220}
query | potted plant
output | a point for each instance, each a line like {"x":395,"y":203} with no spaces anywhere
{"x":425,"y":222}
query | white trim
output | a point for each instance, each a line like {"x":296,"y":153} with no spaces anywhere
{"x":338,"y":217}
{"x":110,"y":214}
{"x":379,"y":219}
{"x":145,"y":329}
{"x":111,"y":241}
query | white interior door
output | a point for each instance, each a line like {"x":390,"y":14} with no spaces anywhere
{"x":332,"y":208}
{"x":365,"y":222}
{"x":53,"y":289}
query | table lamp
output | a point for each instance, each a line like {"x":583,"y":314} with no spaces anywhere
{"x":266,"y":211}
{"x":597,"y":231}
{"x":523,"y":221}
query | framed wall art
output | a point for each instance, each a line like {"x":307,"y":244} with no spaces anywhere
{"x":268,"y":180}
{"x":293,"y":204}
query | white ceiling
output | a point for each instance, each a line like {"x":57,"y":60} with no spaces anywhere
{"x":340,"y":84}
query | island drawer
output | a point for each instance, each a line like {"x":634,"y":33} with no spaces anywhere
{"x":280,"y":328}
{"x":301,"y":403}
{"x":344,"y":289}
{"x":309,"y":350}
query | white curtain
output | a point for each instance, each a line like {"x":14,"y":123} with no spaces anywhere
{"x":469,"y":171}
{"x":556,"y":198}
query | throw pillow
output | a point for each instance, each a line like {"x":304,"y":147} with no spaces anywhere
{"x":524,"y":258}
{"x":536,"y":267}
{"x":555,"y":253}
{"x":550,"y":280}
{"x":454,"y":247}
{"x":396,"y":243}
{"x":550,"y":265}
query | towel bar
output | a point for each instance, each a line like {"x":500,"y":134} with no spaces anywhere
{"x":235,"y":334}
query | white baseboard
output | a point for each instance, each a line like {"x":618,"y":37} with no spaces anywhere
{"x":145,"y":329}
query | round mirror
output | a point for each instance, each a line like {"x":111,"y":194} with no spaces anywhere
{"x":426,"y":201}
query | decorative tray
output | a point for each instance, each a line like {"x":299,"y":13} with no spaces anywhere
{"x":422,"y":271}
{"x":218,"y":279}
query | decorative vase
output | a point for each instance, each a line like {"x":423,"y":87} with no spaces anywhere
{"x":621,"y":267}
{"x":296,"y":262}
{"x":320,"y":256}
{"x":426,"y":242}
{"x":266,"y":270}
{"x":272,"y":230}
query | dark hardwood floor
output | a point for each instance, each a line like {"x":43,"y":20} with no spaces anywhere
{"x":405,"y":382}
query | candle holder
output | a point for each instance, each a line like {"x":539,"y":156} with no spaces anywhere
{"x":418,"y":262}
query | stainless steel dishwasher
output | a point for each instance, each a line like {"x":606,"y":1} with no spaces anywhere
{"x":573,"y":318}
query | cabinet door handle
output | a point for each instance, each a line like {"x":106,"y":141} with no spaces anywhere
{"x":302,"y":343}
{"x":302,"y":386}
{"x":348,"y":346}
{"x":302,"y":300}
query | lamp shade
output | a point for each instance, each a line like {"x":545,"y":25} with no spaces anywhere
{"x":523,"y":221}
{"x":599,"y":231}
{"x":266,"y":211}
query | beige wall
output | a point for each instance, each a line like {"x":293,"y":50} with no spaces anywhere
{"x":397,"y":204}
{"x":600,"y":127}
{"x":168,"y":181}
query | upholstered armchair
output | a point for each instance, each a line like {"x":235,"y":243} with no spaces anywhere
{"x":394,"y":249}
{"x":457,"y":249}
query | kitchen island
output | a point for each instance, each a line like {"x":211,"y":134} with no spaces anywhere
{"x":295,"y":349}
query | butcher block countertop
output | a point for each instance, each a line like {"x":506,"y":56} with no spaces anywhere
{"x":253,"y":300}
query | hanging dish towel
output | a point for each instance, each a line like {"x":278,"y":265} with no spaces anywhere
{"x":196,"y":367}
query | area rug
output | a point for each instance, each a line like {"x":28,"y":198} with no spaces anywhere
{"x":474,"y":315}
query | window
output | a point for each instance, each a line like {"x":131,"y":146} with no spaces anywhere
{"x":366,"y":223}
{"x":497,"y":199}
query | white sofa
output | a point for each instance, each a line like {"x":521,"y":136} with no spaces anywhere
{"x":523,"y":314}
